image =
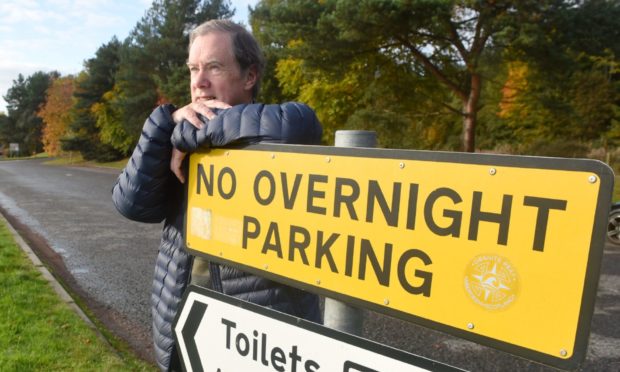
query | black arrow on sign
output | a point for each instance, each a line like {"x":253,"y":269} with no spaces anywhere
{"x":196,"y":313}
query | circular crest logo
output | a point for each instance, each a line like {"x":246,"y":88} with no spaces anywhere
{"x":491,"y":282}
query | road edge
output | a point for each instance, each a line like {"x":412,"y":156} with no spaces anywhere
{"x":47,"y":275}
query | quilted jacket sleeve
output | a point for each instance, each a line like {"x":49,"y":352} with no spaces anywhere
{"x":290,"y":122}
{"x":141,"y":191}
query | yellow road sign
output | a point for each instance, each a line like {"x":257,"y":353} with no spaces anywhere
{"x":502,"y":250}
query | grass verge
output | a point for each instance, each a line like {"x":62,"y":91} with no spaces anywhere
{"x":39,"y":332}
{"x":76,"y":159}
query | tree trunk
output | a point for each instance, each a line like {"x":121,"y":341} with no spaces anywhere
{"x":470,"y":114}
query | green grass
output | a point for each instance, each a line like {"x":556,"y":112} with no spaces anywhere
{"x":36,"y":156}
{"x":39,"y":332}
{"x":68,"y":159}
{"x":71,"y":158}
{"x":77,"y":160}
{"x":120,"y":164}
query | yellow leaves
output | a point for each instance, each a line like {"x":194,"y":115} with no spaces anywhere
{"x":515,"y":84}
{"x":108,"y":120}
{"x":607,"y":62}
{"x":295,"y":43}
{"x":332,"y":97}
{"x":290,"y":74}
{"x":55,"y":113}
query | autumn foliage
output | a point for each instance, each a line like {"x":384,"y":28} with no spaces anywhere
{"x":56,"y":113}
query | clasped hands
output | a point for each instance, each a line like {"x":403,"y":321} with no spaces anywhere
{"x":190,"y":113}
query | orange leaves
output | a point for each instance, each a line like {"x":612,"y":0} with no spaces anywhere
{"x":56,"y":113}
{"x":515,"y":85}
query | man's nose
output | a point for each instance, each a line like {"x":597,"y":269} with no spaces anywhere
{"x":202,"y":79}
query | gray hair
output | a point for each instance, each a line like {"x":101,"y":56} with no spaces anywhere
{"x":246,"y":50}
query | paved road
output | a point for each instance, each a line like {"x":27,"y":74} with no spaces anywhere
{"x":111,"y":259}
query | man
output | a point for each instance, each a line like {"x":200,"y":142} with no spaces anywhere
{"x":225,"y":65}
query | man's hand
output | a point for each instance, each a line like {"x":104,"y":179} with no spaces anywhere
{"x":175,"y":164}
{"x":190,"y":113}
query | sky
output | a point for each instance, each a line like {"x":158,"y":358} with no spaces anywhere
{"x":59,"y":35}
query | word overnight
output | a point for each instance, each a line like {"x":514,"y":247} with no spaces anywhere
{"x":347,"y":192}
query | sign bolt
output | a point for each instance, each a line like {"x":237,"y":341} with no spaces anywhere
{"x":328,"y":159}
{"x":470,"y":326}
{"x":273,"y":156}
{"x":492,"y":171}
{"x":563,"y":353}
{"x":318,"y":281}
{"x":266,"y":266}
{"x":227,"y":153}
{"x":386,"y":302}
{"x":592,"y":179}
{"x":401,"y":165}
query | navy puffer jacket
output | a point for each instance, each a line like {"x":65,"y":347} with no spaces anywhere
{"x":147,"y":191}
{"x":287,"y":123}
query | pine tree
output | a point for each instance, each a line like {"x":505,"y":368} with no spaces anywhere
{"x":152,"y":67}
{"x":97,"y":78}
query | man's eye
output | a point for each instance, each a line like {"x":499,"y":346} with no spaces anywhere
{"x":215,"y":69}
{"x":193,"y":68}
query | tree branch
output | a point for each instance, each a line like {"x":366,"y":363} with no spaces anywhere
{"x":452,"y":109}
{"x":428,"y":64}
{"x":456,"y":41}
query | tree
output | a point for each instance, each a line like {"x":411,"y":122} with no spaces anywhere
{"x":108,"y":121}
{"x":7,"y":131}
{"x":562,"y":90}
{"x":56,"y":114}
{"x":445,"y":40}
{"x":152,"y":66}
{"x":97,"y":78}
{"x":24,"y":99}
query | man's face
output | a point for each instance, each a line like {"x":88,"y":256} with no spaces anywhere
{"x":215,"y":74}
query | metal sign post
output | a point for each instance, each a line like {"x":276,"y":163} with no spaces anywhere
{"x":340,"y":315}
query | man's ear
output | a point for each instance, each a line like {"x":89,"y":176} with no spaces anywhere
{"x":251,"y":77}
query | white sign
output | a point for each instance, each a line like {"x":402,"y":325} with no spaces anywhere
{"x":218,"y":333}
{"x":13,"y":148}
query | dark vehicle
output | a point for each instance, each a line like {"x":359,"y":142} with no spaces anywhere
{"x":613,"y":224}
